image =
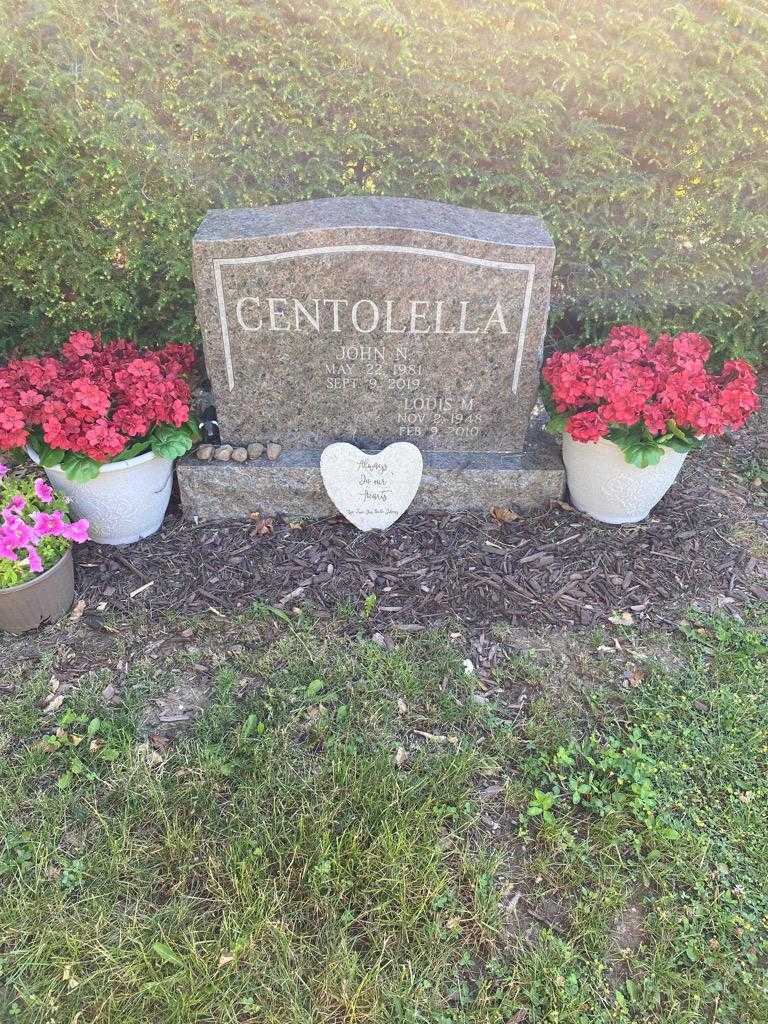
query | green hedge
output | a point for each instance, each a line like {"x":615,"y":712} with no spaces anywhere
{"x":639,"y":131}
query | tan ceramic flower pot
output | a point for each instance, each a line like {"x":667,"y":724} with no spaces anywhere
{"x":39,"y":601}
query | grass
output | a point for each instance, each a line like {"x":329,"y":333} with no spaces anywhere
{"x":355,"y":833}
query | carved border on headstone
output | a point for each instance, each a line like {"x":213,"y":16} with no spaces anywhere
{"x":528,"y":268}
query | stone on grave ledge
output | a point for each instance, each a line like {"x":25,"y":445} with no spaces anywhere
{"x":452,"y":482}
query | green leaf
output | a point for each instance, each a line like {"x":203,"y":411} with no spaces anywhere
{"x":639,"y":448}
{"x":137,"y":448}
{"x":643,"y":455}
{"x":171,"y":442}
{"x":314,"y":688}
{"x":673,"y":428}
{"x":46,"y":455}
{"x":166,"y":953}
{"x":51,"y":457}
{"x":678,"y":446}
{"x":192,"y":430}
{"x":249,"y":726}
{"x":79,"y":468}
{"x":556,"y":423}
{"x":280,"y":614}
{"x":171,"y":449}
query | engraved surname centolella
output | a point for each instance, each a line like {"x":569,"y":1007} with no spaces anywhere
{"x":419,"y":316}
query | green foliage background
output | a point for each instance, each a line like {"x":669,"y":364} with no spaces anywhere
{"x":638,"y":129}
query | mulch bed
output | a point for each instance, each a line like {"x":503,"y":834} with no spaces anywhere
{"x":552,"y":567}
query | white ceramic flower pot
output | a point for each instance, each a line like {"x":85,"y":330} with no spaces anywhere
{"x":125,"y":502}
{"x":608,"y":488}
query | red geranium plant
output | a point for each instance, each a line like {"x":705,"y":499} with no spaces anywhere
{"x":647,"y":396}
{"x":98,"y":403}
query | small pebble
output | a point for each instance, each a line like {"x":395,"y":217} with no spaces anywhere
{"x":205,"y":452}
{"x":255,"y":450}
{"x":239,"y":454}
{"x":273,"y":451}
{"x":224,"y":453}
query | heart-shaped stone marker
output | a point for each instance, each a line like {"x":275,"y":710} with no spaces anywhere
{"x":371,"y":491}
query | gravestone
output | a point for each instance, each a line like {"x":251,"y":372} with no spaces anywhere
{"x":373,"y":320}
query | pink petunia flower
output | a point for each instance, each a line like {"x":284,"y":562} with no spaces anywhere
{"x":3,"y":470}
{"x":43,"y":491}
{"x":77,"y":531}
{"x":15,"y":531}
{"x":35,"y":561}
{"x":49,"y":523}
{"x":8,"y":544}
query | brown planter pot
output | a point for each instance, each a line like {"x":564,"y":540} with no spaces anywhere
{"x":39,"y":601}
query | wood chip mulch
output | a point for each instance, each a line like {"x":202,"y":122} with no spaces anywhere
{"x":551,"y":567}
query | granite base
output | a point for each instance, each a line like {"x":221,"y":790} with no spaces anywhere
{"x":452,"y":482}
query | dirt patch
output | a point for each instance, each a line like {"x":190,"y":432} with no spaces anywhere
{"x":524,"y":912}
{"x":753,"y":536}
{"x":175,"y":710}
{"x":526,"y":918}
{"x":627,"y":935}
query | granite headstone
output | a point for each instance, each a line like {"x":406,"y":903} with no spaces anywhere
{"x":373,"y":320}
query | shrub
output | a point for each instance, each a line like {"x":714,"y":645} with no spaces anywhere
{"x":640,"y":137}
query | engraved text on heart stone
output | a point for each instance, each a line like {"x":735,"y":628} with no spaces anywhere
{"x":371,"y":491}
